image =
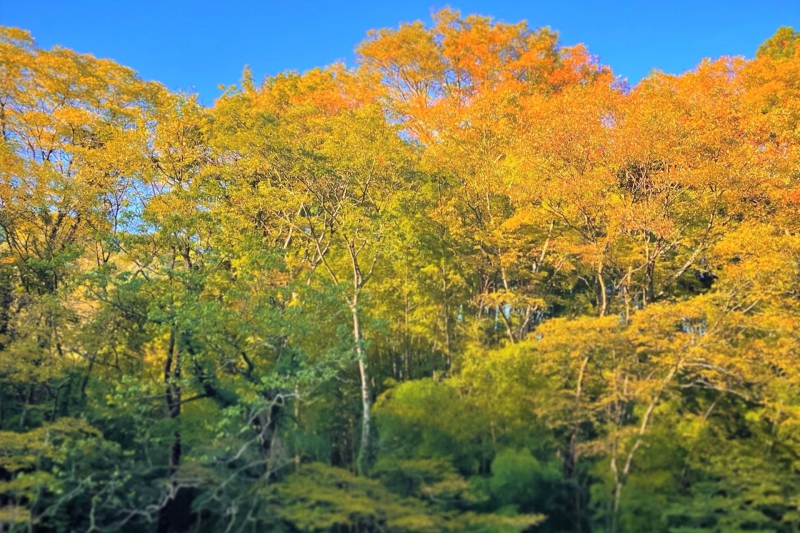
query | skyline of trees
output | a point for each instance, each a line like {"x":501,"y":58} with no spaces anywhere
{"x":473,"y":283}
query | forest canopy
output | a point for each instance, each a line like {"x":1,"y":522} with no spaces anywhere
{"x":475,"y":282}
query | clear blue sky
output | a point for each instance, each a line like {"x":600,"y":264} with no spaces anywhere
{"x":198,"y":44}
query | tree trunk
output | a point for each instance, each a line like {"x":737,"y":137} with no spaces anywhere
{"x":174,"y":515}
{"x":364,"y":449}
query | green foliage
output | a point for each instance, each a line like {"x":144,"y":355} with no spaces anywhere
{"x":521,"y":482}
{"x":319,"y":498}
{"x":425,"y":419}
{"x":781,"y":45}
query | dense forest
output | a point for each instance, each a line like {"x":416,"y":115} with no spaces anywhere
{"x":475,"y":282}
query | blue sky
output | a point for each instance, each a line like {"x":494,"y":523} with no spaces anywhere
{"x":197,"y":45}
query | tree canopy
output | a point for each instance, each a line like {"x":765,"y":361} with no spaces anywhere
{"x":475,"y":282}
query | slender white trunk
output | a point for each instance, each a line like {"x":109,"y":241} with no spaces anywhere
{"x":363,"y":454}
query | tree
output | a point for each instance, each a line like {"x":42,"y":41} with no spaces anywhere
{"x":476,"y":283}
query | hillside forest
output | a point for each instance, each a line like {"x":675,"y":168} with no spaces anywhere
{"x":473,"y":282}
